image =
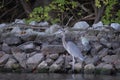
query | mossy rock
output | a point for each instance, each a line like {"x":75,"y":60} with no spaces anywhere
{"x":43,"y":70}
{"x":89,"y":71}
{"x":105,"y":71}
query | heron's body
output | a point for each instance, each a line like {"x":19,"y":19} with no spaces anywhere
{"x":74,"y":50}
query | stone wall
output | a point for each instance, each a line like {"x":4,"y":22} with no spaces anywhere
{"x":27,"y":50}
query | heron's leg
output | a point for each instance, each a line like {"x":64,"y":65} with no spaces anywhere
{"x":73,"y":63}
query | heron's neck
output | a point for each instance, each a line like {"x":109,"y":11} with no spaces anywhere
{"x":63,"y":40}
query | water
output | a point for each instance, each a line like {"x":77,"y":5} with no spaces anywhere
{"x":52,"y":76}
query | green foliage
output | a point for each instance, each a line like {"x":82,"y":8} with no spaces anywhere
{"x":99,"y":3}
{"x":54,"y":12}
{"x":110,"y":15}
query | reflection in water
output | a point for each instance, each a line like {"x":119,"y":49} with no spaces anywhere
{"x":51,"y":76}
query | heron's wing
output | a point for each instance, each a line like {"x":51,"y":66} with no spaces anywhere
{"x":74,"y":50}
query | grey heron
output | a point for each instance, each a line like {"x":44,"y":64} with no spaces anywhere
{"x":71,"y":48}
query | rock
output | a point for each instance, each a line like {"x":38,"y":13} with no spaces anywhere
{"x":52,"y":29}
{"x":103,"y":52}
{"x":2,"y":25}
{"x":54,"y":56}
{"x":115,"y":45}
{"x":33,"y":23}
{"x":110,"y":59}
{"x":98,"y":46}
{"x":68,"y":59}
{"x":89,"y":60}
{"x":28,"y":37}
{"x":33,"y":61}
{"x":43,"y":65}
{"x":92,"y":60}
{"x":52,"y":49}
{"x":98,"y":26}
{"x":89,"y":68}
{"x":6,"y":48}
{"x":105,"y":43}
{"x":10,"y":63}
{"x":117,"y":64}
{"x":44,"y":39}
{"x":44,"y":24}
{"x":19,"y":21}
{"x":117,"y":51}
{"x":85,"y":43}
{"x":27,"y":47}
{"x":104,"y":68}
{"x":115,"y":26}
{"x":4,"y":58}
{"x":60,"y":60}
{"x":54,"y":67}
{"x":81,"y":25}
{"x":99,"y":66}
{"x":49,"y":61}
{"x":108,"y":66}
{"x":21,"y":58}
{"x":2,"y":53}
{"x":78,"y":67}
{"x":12,"y":40}
{"x":16,"y":30}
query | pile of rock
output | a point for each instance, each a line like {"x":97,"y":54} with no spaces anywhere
{"x":28,"y":50}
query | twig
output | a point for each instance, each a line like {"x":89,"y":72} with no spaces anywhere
{"x":69,"y":21}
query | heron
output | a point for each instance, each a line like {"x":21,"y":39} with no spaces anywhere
{"x":71,"y":48}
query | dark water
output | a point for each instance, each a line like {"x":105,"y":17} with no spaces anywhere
{"x":27,"y":76}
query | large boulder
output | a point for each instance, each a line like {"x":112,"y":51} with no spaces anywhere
{"x":34,"y":60}
{"x":81,"y":25}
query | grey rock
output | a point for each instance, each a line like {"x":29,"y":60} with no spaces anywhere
{"x":97,"y":46}
{"x":2,"y":25}
{"x":19,"y":21}
{"x":28,"y":37}
{"x":27,"y":47}
{"x":33,"y":61}
{"x":115,"y":26}
{"x":105,"y":43}
{"x":44,"y":24}
{"x":52,"y":29}
{"x":4,"y":58}
{"x":2,"y":53}
{"x":6,"y":48}
{"x":100,"y":66}
{"x":81,"y":25}
{"x":12,"y":40}
{"x":33,"y":23}
{"x":115,"y":45}
{"x":103,"y":52}
{"x":98,"y":26}
{"x":104,"y":68}
{"x":117,"y":51}
{"x":43,"y":65}
{"x":89,"y":68}
{"x":52,"y":49}
{"x":60,"y":60}
{"x":85,"y":42}
{"x":10,"y":63}
{"x":21,"y":58}
{"x":54,"y":67}
{"x":54,"y":56}
{"x":16,"y":30}
{"x":49,"y":61}
{"x":117,"y":64}
{"x":78,"y":67}
{"x":108,"y":66}
{"x":44,"y":39}
{"x":110,"y":58}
